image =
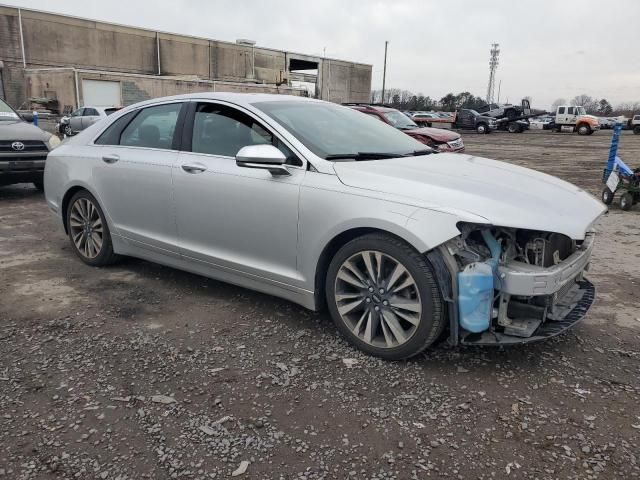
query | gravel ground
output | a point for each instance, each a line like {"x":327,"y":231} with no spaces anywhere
{"x":141,"y":371}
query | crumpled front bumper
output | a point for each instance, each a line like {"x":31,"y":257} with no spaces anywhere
{"x":517,"y":278}
{"x":548,"y":329}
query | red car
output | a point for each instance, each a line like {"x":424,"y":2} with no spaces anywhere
{"x":437,"y":138}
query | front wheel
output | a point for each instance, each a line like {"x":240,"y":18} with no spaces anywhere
{"x":607,"y":196}
{"x":68,"y":131}
{"x":584,"y":130}
{"x":383,"y":297}
{"x":88,"y":230}
{"x":482,"y":128}
{"x":636,"y":129}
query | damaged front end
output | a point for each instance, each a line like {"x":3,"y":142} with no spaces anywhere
{"x":513,"y":285}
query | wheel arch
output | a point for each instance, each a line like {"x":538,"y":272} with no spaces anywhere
{"x":68,"y":195}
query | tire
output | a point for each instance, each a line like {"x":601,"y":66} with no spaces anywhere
{"x":39,"y":185}
{"x":636,"y":129}
{"x":68,"y":131}
{"x":391,"y":326}
{"x":513,"y":128}
{"x":584,"y":129}
{"x":607,"y":196}
{"x":482,"y":128}
{"x":626,"y":201}
{"x":84,"y":212}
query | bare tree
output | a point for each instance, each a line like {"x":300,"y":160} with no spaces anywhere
{"x":558,"y":102}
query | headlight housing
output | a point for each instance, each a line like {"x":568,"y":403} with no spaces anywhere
{"x":52,"y":142}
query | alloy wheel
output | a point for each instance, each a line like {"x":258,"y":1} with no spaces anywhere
{"x":85,"y":225}
{"x":378,"y":299}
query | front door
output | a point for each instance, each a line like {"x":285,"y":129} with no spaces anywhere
{"x":75,"y":121}
{"x":133,"y":176}
{"x":237,"y":220}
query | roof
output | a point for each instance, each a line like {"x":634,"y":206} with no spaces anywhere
{"x":242,"y":99}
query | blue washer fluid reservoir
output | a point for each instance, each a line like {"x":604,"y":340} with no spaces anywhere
{"x":475,"y":297}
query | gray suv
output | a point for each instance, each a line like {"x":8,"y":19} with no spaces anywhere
{"x":23,"y":149}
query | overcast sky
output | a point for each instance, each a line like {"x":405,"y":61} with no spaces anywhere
{"x":549,"y":48}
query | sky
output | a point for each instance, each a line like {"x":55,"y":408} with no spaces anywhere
{"x":550,"y":49}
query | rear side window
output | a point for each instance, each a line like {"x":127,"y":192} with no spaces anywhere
{"x":111,"y":136}
{"x":109,"y":111}
{"x":153,"y":127}
{"x":570,"y":110}
{"x":90,"y":112}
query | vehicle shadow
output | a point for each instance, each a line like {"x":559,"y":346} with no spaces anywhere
{"x":19,"y":191}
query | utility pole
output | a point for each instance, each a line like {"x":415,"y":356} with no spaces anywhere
{"x":384,"y":72}
{"x":493,"y":65}
{"x":499,"y":87}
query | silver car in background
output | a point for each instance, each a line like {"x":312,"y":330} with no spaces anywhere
{"x":82,"y":118}
{"x":319,"y":204}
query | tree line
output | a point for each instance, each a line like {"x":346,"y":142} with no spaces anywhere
{"x":407,"y":100}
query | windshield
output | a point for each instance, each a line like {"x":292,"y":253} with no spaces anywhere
{"x":399,"y":120}
{"x":330,"y":130}
{"x":6,"y":112}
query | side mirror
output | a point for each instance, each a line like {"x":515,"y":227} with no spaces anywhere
{"x":27,"y":116}
{"x":265,"y":157}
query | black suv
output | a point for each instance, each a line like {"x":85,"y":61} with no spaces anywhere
{"x":23,"y":149}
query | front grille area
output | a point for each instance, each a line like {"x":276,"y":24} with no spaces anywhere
{"x":29,"y":146}
{"x":456,"y":143}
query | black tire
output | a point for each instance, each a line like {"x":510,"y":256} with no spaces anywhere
{"x":432,"y":316}
{"x":513,"y":128}
{"x":584,"y":129}
{"x":39,"y":184}
{"x":626,"y":201}
{"x":68,"y":131}
{"x":482,"y":128}
{"x":106,"y":256}
{"x":636,"y":129}
{"x":607,"y":196}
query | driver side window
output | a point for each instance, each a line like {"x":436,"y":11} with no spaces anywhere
{"x":222,"y":130}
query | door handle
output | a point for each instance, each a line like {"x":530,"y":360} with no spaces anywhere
{"x":194,"y":168}
{"x":110,"y":158}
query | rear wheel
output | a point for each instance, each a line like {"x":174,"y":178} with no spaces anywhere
{"x":607,"y":196}
{"x":636,"y":129}
{"x":88,"y":230}
{"x":514,"y":128}
{"x":383,"y":297}
{"x":626,"y":201}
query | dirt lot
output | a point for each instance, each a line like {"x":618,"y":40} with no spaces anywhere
{"x":140,"y":371}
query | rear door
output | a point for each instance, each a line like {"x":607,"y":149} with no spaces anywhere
{"x":75,"y":121}
{"x":133,"y":178}
{"x":89,"y":117}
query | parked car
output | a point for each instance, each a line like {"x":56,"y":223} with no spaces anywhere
{"x":440,"y":139}
{"x":82,"y":118}
{"x":541,"y":123}
{"x":634,"y":124}
{"x":322,"y":205}
{"x":23,"y":149}
{"x":500,"y":110}
{"x":428,"y":119}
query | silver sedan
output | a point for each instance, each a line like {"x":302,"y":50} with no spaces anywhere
{"x":324,"y":206}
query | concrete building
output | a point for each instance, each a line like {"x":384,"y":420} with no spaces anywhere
{"x":73,"y":62}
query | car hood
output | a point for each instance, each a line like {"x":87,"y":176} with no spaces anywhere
{"x":470,"y":187}
{"x":436,"y":134}
{"x":19,"y":130}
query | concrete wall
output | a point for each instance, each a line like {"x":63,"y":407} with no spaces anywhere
{"x":133,"y":88}
{"x":52,"y":40}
